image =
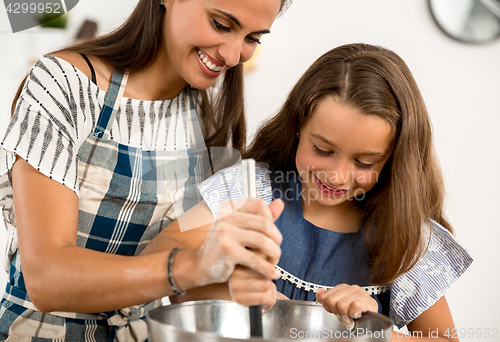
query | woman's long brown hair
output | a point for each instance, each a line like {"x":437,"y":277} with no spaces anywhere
{"x":410,"y":190}
{"x":135,"y":45}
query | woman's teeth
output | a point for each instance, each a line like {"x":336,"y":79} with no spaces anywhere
{"x":208,"y":64}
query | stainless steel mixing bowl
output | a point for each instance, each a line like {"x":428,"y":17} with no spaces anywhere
{"x":221,"y":321}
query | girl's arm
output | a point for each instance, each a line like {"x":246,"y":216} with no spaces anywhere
{"x":60,"y":276}
{"x":435,"y":324}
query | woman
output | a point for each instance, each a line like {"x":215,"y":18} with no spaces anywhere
{"x":104,"y":149}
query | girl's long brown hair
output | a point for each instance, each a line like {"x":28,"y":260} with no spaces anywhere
{"x":410,"y":190}
{"x":135,"y":46}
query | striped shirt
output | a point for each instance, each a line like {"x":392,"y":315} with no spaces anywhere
{"x":49,"y":127}
{"x":134,"y":165}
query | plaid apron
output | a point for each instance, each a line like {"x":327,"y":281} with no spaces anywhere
{"x":127,"y":196}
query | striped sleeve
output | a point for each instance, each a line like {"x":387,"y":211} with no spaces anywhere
{"x":444,"y":261}
{"x":50,"y":122}
{"x":227,"y":185}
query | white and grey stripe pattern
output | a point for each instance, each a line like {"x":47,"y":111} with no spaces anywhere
{"x":90,"y":329}
{"x":56,"y":112}
{"x":444,"y":261}
{"x":227,"y":184}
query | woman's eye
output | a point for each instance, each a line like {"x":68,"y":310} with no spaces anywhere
{"x":253,"y":39}
{"x":219,"y":27}
{"x":321,"y":152}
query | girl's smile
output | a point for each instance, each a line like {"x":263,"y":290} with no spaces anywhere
{"x":334,"y":192}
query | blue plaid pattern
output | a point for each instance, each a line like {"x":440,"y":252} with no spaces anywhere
{"x":127,"y":196}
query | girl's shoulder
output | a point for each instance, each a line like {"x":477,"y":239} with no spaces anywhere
{"x":227,"y":185}
{"x":444,"y":260}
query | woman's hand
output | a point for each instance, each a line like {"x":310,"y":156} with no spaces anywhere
{"x":246,"y":237}
{"x":248,"y":288}
{"x":348,"y":302}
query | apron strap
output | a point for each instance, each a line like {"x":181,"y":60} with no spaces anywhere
{"x":111,"y":105}
{"x":196,"y":135}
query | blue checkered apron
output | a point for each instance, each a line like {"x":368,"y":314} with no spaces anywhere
{"x":127,"y":196}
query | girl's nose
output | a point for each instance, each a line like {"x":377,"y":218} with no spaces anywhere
{"x":341,"y":174}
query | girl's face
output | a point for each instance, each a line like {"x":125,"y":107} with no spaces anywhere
{"x":203,"y":38}
{"x":341,"y":153}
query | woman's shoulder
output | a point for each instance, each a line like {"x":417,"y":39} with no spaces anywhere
{"x":74,"y":59}
{"x":102,"y":69}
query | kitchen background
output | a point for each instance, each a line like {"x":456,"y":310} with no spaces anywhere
{"x":460,"y":84}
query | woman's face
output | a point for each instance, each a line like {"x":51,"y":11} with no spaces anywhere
{"x":203,"y":38}
{"x":341,"y":153}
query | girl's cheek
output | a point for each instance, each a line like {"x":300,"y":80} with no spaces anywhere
{"x":367,"y":179}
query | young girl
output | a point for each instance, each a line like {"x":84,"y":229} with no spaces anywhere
{"x":350,"y":155}
{"x":103,"y":151}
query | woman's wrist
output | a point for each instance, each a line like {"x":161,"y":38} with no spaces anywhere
{"x":170,"y":272}
{"x":184,"y":271}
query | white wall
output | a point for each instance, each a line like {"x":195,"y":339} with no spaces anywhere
{"x":460,"y":83}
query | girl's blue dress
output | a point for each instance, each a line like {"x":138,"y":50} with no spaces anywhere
{"x":314,"y":257}
{"x":325,"y":258}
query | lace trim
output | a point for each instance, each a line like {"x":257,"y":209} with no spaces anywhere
{"x":301,"y":284}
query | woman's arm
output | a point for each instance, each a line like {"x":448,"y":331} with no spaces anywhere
{"x":247,"y":287}
{"x":60,"y":276}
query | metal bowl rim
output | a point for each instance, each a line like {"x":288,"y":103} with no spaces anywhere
{"x":170,"y":327}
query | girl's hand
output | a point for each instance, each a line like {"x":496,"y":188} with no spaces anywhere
{"x":246,"y":237}
{"x":348,"y":302}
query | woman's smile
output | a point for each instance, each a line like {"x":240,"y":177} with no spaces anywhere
{"x":211,"y":66}
{"x":202,"y":39}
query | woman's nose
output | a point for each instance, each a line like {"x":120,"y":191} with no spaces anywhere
{"x":231,"y":52}
{"x":235,"y":51}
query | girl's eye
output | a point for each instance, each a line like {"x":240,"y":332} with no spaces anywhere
{"x":363,"y":165}
{"x":321,"y":152}
{"x":219,"y":27}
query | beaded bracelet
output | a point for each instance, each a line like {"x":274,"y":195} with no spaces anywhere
{"x":170,"y":273}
